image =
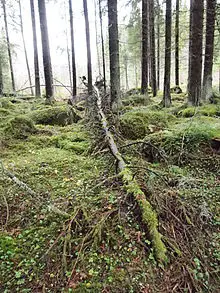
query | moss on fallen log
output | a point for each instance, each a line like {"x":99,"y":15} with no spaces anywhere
{"x":149,"y":216}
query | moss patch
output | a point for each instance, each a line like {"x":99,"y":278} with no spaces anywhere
{"x":206,"y":110}
{"x":135,"y":100}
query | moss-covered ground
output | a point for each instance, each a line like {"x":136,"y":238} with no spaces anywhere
{"x":80,"y":231}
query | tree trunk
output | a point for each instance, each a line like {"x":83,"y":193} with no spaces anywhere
{"x":144,"y":79}
{"x":152,"y":48}
{"x":177,"y":81}
{"x":195,"y":52}
{"x":97,"y":39}
{"x":74,"y":86}
{"x":1,"y":77}
{"x":190,"y":39}
{"x":36,"y":61}
{"x":46,"y":52}
{"x":103,"y":45}
{"x":8,"y":46}
{"x":209,"y":49}
{"x":89,"y":61}
{"x":69,"y":64}
{"x":25,"y":50}
{"x":158,"y":45}
{"x":167,"y":70}
{"x":114,"y":51}
{"x":126,"y":71}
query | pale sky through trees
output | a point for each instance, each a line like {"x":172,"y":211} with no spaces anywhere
{"x":56,"y":26}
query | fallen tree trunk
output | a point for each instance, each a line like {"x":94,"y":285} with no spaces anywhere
{"x":149,"y":216}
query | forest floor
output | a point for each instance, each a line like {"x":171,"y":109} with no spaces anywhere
{"x":77,"y":230}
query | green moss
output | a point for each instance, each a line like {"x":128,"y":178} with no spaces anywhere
{"x":206,"y":110}
{"x":149,"y":216}
{"x":135,"y":100}
{"x":19,"y":127}
{"x":186,"y":136}
{"x":136,"y":124}
{"x":6,"y":104}
{"x":55,"y":116}
{"x":4,"y":112}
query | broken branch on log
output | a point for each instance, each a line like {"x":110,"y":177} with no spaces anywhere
{"x":149,"y":216}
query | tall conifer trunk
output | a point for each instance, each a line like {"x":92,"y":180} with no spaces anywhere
{"x":89,"y":61}
{"x":114,"y":50}
{"x":74,"y":86}
{"x":8,"y":45}
{"x":46,"y":52}
{"x":167,"y":70}
{"x":209,"y":49}
{"x":195,"y":52}
{"x":144,"y":79}
{"x":36,"y":59}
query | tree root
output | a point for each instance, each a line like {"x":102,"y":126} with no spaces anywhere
{"x":149,"y":216}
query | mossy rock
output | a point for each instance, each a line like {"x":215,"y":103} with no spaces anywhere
{"x":20,"y":127}
{"x":205,"y":110}
{"x":136,"y":124}
{"x":61,"y":116}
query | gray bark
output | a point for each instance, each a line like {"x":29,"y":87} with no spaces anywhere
{"x":167,"y":70}
{"x":36,"y":59}
{"x":195,"y":52}
{"x":89,"y":61}
{"x":25,"y":49}
{"x":8,"y":46}
{"x":114,"y":51}
{"x":46,"y":52}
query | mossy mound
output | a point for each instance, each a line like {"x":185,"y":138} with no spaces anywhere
{"x":135,"y":100}
{"x":61,"y":116}
{"x":136,"y":124}
{"x":181,"y":141}
{"x":76,"y":142}
{"x":4,"y":112}
{"x":6,"y":104}
{"x":206,"y":110}
{"x":20,"y":127}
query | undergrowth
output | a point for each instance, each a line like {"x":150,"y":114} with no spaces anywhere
{"x":81,"y":232}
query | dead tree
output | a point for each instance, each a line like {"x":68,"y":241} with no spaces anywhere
{"x":148,"y":215}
